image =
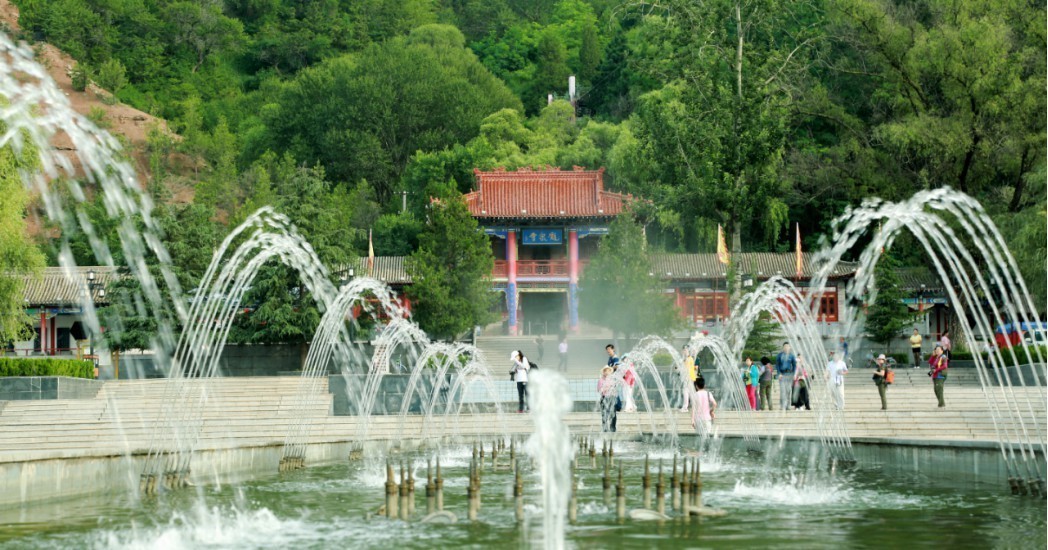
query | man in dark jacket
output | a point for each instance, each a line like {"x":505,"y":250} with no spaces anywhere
{"x":786,"y":367}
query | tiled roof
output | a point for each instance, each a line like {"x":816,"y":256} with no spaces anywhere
{"x":56,"y":286}
{"x":911,"y":278}
{"x":762,"y":265}
{"x":550,"y":193}
{"x":388,"y":269}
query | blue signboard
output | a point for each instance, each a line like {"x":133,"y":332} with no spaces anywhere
{"x":542,"y":236}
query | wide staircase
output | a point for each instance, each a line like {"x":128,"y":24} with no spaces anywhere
{"x":249,"y":412}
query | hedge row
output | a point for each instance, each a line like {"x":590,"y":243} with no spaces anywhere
{"x":24,"y":366}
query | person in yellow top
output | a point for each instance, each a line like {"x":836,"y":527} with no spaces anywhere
{"x":689,"y":363}
{"x":915,"y":347}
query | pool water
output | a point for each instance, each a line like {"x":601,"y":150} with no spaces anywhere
{"x":780,"y":505}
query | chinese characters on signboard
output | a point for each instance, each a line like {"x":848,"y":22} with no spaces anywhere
{"x":542,"y":236}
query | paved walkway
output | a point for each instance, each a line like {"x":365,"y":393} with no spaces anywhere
{"x":248,"y":412}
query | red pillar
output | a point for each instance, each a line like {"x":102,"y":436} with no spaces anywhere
{"x":511,"y":279}
{"x":43,"y":331}
{"x":573,"y":280}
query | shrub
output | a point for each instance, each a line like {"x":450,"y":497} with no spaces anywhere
{"x":25,"y":366}
{"x":112,"y":76}
{"x":662,"y":360}
{"x":98,"y":116}
{"x":902,"y":358}
{"x":81,"y":77}
{"x":108,"y":99}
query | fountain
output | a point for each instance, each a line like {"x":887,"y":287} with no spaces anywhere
{"x":928,"y":215}
{"x":266,"y":235}
{"x":793,"y":311}
{"x":332,"y":341}
{"x":333,"y":502}
{"x":550,"y":447}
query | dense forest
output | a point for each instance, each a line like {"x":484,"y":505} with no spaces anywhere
{"x":351,"y":115}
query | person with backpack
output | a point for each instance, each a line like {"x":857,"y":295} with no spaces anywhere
{"x":521,"y":366}
{"x":786,"y":367}
{"x":880,"y":378}
{"x":766,"y":377}
{"x":749,"y":380}
{"x":939,"y":363}
{"x":801,"y":381}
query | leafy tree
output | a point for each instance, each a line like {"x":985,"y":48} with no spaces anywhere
{"x":19,"y":257}
{"x":397,"y":234}
{"x":961,"y":85}
{"x":79,"y":77}
{"x":451,"y":270}
{"x":1026,"y":233}
{"x":190,"y":237}
{"x":716,"y":133}
{"x":202,"y":27}
{"x":589,"y":53}
{"x":280,"y":308}
{"x":551,"y":73}
{"x":888,"y":315}
{"x":112,"y":76}
{"x":618,"y":290}
{"x":364,"y":117}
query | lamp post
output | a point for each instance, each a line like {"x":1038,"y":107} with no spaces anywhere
{"x":97,"y":290}
{"x":343,"y":281}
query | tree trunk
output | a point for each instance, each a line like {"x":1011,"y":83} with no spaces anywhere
{"x":736,"y":266}
{"x":962,"y":181}
{"x":1020,"y":183}
{"x":738,"y":52}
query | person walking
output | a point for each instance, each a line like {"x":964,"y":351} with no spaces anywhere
{"x":915,"y":348}
{"x":608,"y":393}
{"x":939,"y":363}
{"x":767,"y":375}
{"x":703,"y":410}
{"x":540,"y":348}
{"x":521,"y":366}
{"x":947,"y":345}
{"x":562,"y":351}
{"x":785,"y":367}
{"x":835,"y":371}
{"x":880,"y":377}
{"x":749,"y":379}
{"x":844,"y":347}
{"x":801,"y":381}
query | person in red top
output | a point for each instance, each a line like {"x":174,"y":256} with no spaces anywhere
{"x":939,"y":363}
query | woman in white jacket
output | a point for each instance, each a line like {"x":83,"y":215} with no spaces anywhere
{"x":521,"y":366}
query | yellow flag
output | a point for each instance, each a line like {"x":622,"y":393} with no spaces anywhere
{"x":722,"y":247}
{"x":371,"y":256}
